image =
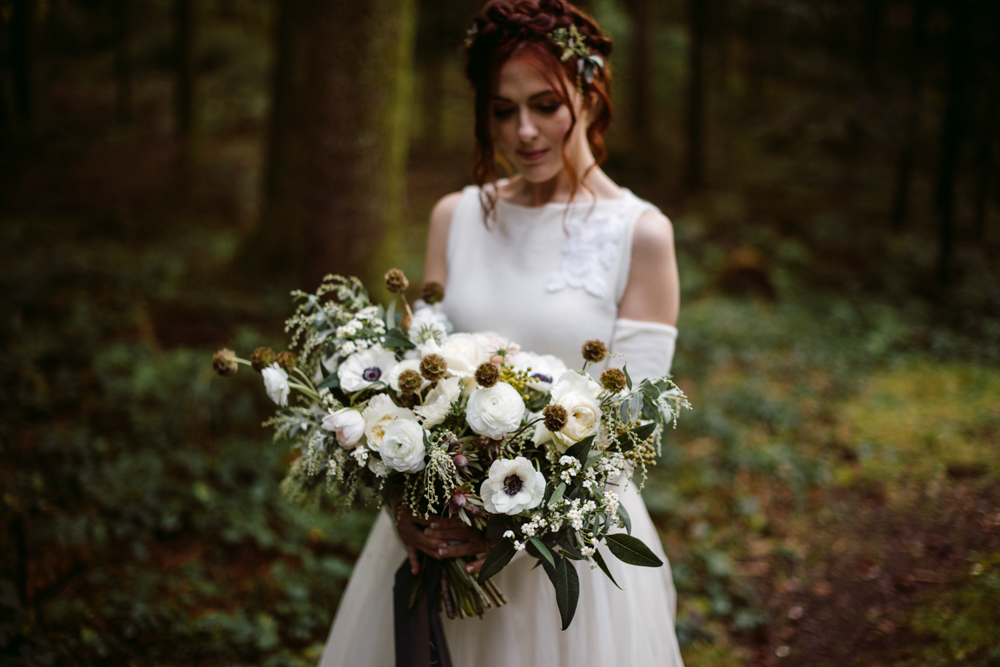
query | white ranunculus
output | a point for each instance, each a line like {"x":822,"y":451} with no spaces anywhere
{"x":495,"y":411}
{"x":381,"y":411}
{"x":348,"y":424}
{"x":575,"y":381}
{"x":437,"y":405}
{"x":462,"y":353}
{"x":364,"y":368}
{"x":512,"y":487}
{"x":403,"y":446}
{"x":545,"y":369}
{"x":276,"y":383}
{"x":397,"y":370}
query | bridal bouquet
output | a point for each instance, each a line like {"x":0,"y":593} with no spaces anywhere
{"x":391,"y":404}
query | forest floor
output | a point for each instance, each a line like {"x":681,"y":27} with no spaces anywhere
{"x":832,"y":499}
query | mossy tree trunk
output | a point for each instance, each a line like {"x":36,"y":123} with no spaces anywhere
{"x":335,"y":178}
{"x":694,"y":168}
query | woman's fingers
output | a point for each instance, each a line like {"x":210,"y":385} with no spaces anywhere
{"x":462,"y":533}
{"x":475,"y":566}
{"x":414,"y":559}
{"x":412,"y":536}
{"x":457,"y":549}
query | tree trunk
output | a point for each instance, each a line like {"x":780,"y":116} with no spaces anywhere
{"x":184,"y":86}
{"x":951,"y":136}
{"x":123,"y":62}
{"x":911,"y":124}
{"x":640,"y":74}
{"x":338,"y":141}
{"x":22,"y":47}
{"x":695,"y":121}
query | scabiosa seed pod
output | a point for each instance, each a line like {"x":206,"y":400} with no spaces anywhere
{"x":286,"y":360}
{"x":224,"y":362}
{"x":395,"y":281}
{"x":433,"y":293}
{"x":410,"y":382}
{"x":594,"y":351}
{"x":487,"y":375}
{"x":555,"y":417}
{"x":433,"y":367}
{"x":261,"y":358}
{"x":613,"y":379}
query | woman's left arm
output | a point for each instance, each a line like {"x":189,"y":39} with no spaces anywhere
{"x":653,"y":292}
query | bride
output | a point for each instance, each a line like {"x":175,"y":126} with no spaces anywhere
{"x":556,"y":255}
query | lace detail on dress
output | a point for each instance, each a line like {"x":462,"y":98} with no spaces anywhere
{"x":591,"y":245}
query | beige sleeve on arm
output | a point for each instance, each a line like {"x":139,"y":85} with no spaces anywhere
{"x":646,"y":347}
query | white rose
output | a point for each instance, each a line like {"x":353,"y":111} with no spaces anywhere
{"x":512,"y":487}
{"x":496,"y":411}
{"x":574,"y":381}
{"x":462,"y":353}
{"x":348,"y":424}
{"x":403,"y":446}
{"x":381,"y":411}
{"x":545,"y":369}
{"x":276,"y":383}
{"x":362,"y":369}
{"x":438,"y":403}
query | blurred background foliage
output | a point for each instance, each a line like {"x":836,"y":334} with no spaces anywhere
{"x":169,"y":169}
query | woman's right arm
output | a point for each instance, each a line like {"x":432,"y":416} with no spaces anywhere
{"x":436,"y":259}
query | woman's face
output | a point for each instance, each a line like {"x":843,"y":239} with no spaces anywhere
{"x":530,"y":122}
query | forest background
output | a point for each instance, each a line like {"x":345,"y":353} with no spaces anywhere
{"x":169,"y":169}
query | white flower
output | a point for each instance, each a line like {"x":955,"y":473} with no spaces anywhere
{"x":348,"y":424}
{"x":403,"y":446}
{"x":428,"y":325}
{"x":497,"y":348}
{"x":438,"y":403}
{"x":496,"y":411}
{"x":577,"y":393}
{"x":381,"y":411}
{"x":376,"y":466}
{"x":397,"y":370}
{"x":276,"y":383}
{"x":545,"y":369}
{"x":512,"y":487}
{"x":364,"y":368}
{"x":462,"y":353}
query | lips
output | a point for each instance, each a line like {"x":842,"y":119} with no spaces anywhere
{"x":532,"y":156}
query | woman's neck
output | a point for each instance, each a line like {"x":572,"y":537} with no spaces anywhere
{"x":597,"y":186}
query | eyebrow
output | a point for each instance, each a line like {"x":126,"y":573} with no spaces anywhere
{"x":533,"y":97}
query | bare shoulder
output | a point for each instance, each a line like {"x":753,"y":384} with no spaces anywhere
{"x":436,"y":259}
{"x":443,"y":210}
{"x":653,"y":237}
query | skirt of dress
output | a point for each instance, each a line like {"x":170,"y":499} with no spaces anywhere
{"x":612,"y":627}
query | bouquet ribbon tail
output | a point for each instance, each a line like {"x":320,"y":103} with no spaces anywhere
{"x":420,"y":640}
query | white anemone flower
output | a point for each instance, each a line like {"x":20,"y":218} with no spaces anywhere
{"x":362,"y":369}
{"x":512,"y":487}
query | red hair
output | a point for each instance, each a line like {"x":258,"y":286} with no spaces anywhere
{"x":522,"y":28}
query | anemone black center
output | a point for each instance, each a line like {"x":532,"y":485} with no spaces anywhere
{"x":512,"y":485}
{"x":372,"y":374}
{"x":541,"y":377}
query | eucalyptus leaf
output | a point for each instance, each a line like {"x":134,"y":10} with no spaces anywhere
{"x":599,"y":559}
{"x":332,"y":381}
{"x":557,"y":494}
{"x":395,"y":339}
{"x":626,"y":519}
{"x":542,"y":550}
{"x":628,"y":378}
{"x":631,"y":550}
{"x":567,"y":590}
{"x":497,"y":560}
{"x":390,"y":313}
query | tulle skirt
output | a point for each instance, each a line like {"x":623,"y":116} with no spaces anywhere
{"x":633,"y":627}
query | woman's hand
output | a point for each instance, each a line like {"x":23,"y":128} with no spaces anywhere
{"x":438,"y":537}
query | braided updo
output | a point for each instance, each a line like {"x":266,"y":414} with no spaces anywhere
{"x":522,"y":28}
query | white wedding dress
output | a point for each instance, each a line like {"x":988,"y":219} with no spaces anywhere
{"x":549,"y":278}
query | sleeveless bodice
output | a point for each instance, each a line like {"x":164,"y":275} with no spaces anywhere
{"x":548,"y":277}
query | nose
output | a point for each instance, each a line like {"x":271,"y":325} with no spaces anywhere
{"x":526,"y":130}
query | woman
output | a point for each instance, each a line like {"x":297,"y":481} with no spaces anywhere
{"x":556,"y":255}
